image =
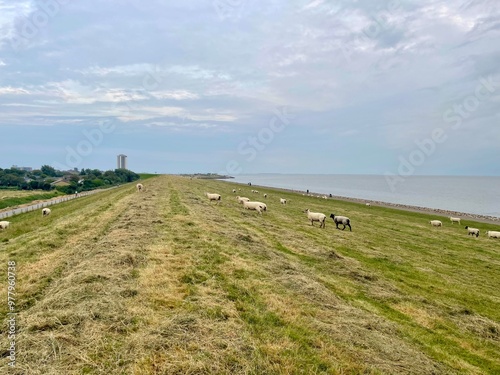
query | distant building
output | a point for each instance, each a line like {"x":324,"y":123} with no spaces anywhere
{"x":26,"y":169}
{"x":121,"y":161}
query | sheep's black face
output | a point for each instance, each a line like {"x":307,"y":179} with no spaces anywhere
{"x":332,"y":216}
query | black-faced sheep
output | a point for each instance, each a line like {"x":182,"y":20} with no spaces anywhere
{"x":140,"y":187}
{"x":436,"y":223}
{"x":46,"y":211}
{"x":493,"y":234}
{"x":213,"y":196}
{"x":257,"y":206}
{"x":472,"y":231}
{"x":344,"y":220}
{"x":4,"y":224}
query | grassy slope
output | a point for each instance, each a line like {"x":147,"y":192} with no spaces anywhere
{"x":14,"y":198}
{"x":167,"y":282}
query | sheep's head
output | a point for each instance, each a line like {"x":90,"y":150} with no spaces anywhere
{"x":306,"y":211}
{"x":332,"y":216}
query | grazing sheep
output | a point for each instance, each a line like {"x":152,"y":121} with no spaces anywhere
{"x":344,"y":220}
{"x":436,"y":223}
{"x":234,"y":190}
{"x":257,"y":206}
{"x":140,"y":187}
{"x":316,"y":216}
{"x":282,"y":200}
{"x":265,"y":195}
{"x":213,"y":196}
{"x":242,"y":199}
{"x":368,"y":205}
{"x":324,"y":197}
{"x":493,"y":234}
{"x":46,"y":211}
{"x":473,"y":231}
{"x":4,"y":224}
{"x":455,"y":220}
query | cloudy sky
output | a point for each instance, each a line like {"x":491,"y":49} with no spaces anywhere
{"x":247,"y":86}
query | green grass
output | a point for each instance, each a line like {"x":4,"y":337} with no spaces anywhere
{"x":16,"y":201}
{"x":164,"y":281}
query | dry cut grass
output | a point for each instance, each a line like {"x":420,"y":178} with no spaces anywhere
{"x":166,"y":282}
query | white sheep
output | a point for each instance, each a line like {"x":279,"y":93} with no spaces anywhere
{"x":234,"y":190}
{"x":213,"y":196}
{"x":257,"y":206}
{"x":4,"y":224}
{"x":473,"y":231}
{"x":455,"y":220}
{"x":344,"y":220}
{"x":242,"y":199}
{"x":436,"y":223}
{"x":265,"y":195}
{"x":140,"y":187}
{"x":368,"y":205}
{"x":316,"y":216}
{"x":282,"y":200}
{"x":493,"y":234}
{"x":46,"y":211}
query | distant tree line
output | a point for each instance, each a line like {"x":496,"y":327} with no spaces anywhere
{"x":47,"y":178}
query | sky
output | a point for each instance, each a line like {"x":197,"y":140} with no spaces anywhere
{"x":392,"y":88}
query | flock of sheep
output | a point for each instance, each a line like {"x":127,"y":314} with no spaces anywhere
{"x":337,"y":219}
{"x":260,"y":207}
{"x":470,"y":230}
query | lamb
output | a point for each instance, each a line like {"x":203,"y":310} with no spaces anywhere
{"x":140,"y":187}
{"x":344,"y":220}
{"x":282,"y":200}
{"x":316,"y":216}
{"x":455,"y":220}
{"x":4,"y":224}
{"x":257,"y":206}
{"x":436,"y":223}
{"x":213,"y":196}
{"x":493,"y":234}
{"x":473,"y":231}
{"x":242,"y":199}
{"x":46,"y":211}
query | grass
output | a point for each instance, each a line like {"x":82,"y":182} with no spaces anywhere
{"x":166,"y":282}
{"x":13,"y":198}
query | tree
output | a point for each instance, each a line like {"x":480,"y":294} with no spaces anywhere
{"x":49,"y":171}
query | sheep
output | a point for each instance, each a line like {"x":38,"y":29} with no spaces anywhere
{"x":257,"y":206}
{"x":242,"y":199}
{"x":368,"y":205}
{"x":213,"y":196}
{"x":282,"y":200}
{"x":4,"y":224}
{"x":436,"y":223}
{"x":473,"y":231}
{"x":316,"y":216}
{"x":140,"y":187}
{"x":344,"y":220}
{"x":455,"y":220}
{"x":493,"y":234}
{"x":234,"y":190}
{"x":46,"y":211}
{"x":265,"y":195}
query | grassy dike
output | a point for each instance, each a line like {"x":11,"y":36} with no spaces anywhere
{"x":166,"y":282}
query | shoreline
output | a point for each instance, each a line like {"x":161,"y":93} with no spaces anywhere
{"x":399,"y":206}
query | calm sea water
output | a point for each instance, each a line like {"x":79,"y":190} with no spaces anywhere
{"x":475,"y":195}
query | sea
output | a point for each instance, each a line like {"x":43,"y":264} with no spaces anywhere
{"x":468,"y":194}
